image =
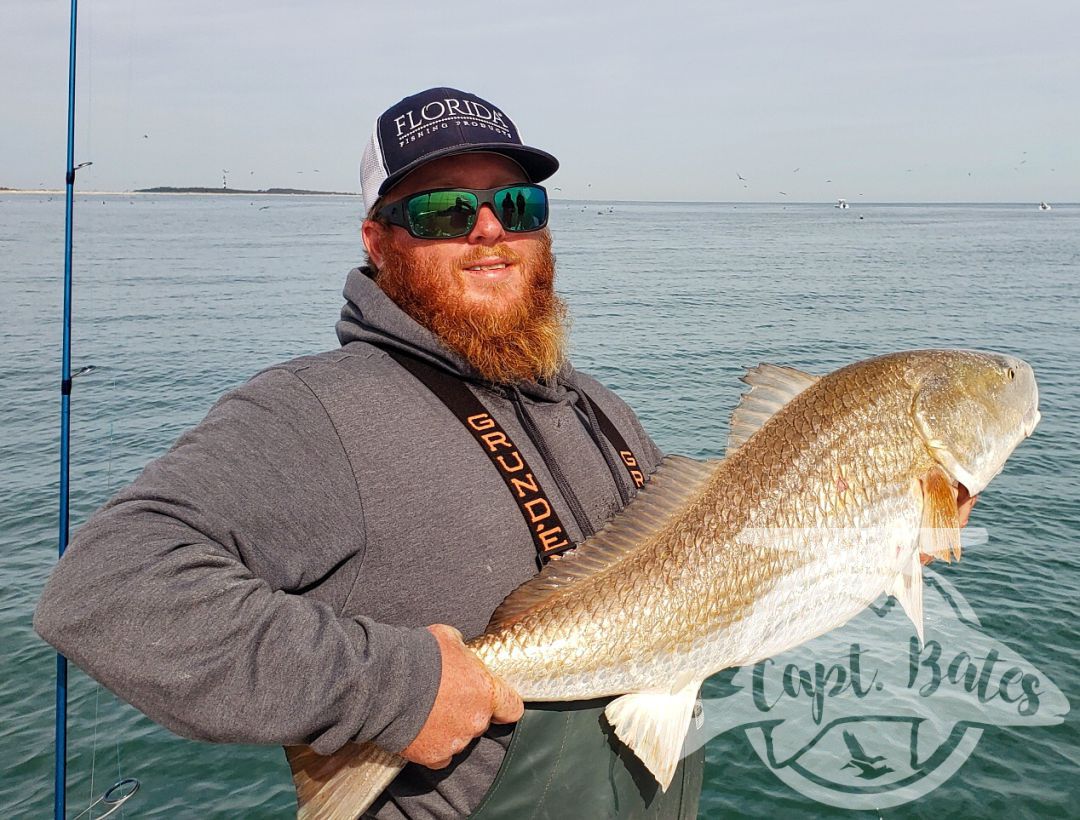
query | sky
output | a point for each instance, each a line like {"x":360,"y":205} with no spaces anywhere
{"x":660,"y":100}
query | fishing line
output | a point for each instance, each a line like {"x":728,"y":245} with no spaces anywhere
{"x":93,"y":753}
{"x":115,"y":796}
{"x":121,"y":791}
{"x":87,"y":31}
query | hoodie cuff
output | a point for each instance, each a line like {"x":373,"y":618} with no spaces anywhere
{"x":410,"y":672}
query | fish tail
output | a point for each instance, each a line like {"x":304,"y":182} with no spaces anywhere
{"x":343,"y":785}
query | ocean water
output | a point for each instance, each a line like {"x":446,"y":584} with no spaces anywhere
{"x":178,"y":298}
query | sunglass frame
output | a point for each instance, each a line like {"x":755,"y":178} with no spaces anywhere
{"x":397,"y":212}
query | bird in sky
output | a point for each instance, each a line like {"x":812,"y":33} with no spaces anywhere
{"x":740,"y":176}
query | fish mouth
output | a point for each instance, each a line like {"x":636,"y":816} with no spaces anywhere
{"x":1031,"y":420}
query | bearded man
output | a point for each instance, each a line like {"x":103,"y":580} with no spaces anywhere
{"x":300,"y":567}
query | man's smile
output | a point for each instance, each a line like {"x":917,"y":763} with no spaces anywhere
{"x":491,"y":269}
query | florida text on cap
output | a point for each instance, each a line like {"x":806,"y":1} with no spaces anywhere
{"x":436,"y":123}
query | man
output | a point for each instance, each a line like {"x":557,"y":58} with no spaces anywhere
{"x":297,"y":568}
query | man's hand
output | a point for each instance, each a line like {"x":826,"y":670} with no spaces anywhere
{"x":469,"y":699}
{"x":964,"y":503}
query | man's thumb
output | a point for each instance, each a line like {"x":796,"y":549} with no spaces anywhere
{"x":506,"y":705}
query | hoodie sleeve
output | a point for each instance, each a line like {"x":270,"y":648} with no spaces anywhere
{"x":208,"y":593}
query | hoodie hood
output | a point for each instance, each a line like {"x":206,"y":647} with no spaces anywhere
{"x":370,"y":316}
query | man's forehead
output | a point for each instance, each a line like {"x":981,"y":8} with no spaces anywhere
{"x":470,"y":170}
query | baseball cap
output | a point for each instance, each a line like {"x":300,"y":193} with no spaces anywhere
{"x":436,"y":123}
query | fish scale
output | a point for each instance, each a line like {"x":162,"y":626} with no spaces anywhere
{"x":832,"y":491}
{"x":700,"y":575}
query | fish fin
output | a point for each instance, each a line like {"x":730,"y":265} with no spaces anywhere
{"x":907,"y":587}
{"x":771,"y":388}
{"x":671,"y":485}
{"x":654,"y":726}
{"x":340,"y":786}
{"x":939,"y":532}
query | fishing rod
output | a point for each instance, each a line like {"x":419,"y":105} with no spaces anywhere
{"x":123,"y":790}
{"x":60,"y":743}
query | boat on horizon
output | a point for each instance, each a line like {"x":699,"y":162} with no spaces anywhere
{"x":841,"y":203}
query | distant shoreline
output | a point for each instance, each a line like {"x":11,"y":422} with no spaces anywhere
{"x":271,"y":192}
{"x":187,"y":191}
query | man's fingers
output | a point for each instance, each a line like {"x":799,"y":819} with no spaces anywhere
{"x":506,"y":705}
{"x":964,"y":506}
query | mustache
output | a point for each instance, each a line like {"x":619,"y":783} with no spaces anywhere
{"x":480,"y":254}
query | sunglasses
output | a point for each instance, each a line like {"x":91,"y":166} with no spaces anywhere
{"x":447,"y":213}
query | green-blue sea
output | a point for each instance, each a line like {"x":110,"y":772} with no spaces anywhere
{"x":179,"y":298}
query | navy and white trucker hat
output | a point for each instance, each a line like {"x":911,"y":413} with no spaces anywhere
{"x":436,"y":123}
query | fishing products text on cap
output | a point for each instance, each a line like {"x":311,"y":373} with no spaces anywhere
{"x":436,"y":123}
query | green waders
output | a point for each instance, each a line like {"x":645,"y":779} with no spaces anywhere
{"x":564,"y":763}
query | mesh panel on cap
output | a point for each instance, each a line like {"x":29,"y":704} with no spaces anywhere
{"x":372,"y":169}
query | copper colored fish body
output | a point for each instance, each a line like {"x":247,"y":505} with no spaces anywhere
{"x":831,"y":491}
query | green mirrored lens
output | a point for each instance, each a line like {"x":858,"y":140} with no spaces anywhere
{"x":522,"y":207}
{"x":442,"y":214}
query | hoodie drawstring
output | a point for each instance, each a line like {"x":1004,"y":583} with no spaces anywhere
{"x":615,"y":467}
{"x":533,"y":432}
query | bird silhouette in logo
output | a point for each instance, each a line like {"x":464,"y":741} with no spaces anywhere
{"x":867,"y":766}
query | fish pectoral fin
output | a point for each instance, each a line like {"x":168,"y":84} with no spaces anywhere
{"x":654,"y":726}
{"x":907,"y":588}
{"x":343,"y":785}
{"x":939,"y":531}
{"x":771,"y":388}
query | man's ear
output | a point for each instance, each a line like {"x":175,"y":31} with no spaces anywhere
{"x":375,"y":237}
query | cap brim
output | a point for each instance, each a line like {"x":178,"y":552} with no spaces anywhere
{"x":537,"y":164}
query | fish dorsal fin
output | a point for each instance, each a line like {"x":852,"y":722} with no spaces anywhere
{"x":672,"y":485}
{"x":771,"y":388}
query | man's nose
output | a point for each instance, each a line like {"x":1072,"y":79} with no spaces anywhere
{"x":488,"y":229}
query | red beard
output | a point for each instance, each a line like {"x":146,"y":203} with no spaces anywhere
{"x":516,"y":342}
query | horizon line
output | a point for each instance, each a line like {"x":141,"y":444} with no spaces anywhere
{"x":202,"y":191}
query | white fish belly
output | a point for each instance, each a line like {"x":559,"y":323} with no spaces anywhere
{"x":852,"y":567}
{"x":849,"y":568}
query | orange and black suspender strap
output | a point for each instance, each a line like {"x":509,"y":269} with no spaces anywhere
{"x":548,"y":533}
{"x":611,"y":432}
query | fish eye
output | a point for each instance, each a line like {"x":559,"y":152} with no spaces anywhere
{"x":1012,"y":374}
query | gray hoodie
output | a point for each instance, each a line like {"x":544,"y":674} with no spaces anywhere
{"x":269,"y":578}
